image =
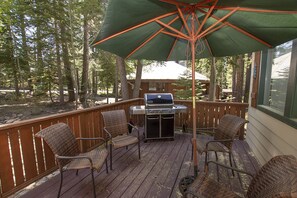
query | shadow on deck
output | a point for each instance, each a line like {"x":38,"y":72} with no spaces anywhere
{"x":157,"y":174}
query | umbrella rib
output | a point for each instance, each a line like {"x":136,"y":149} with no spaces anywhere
{"x":213,"y":30}
{"x":174,"y":35}
{"x":175,"y":2}
{"x":210,"y":50}
{"x":183,"y":19}
{"x":219,"y":21}
{"x":175,"y":41}
{"x":153,"y":36}
{"x":206,"y":41}
{"x":248,"y":34}
{"x":241,"y":30}
{"x":205,"y":18}
{"x":204,"y":2}
{"x":134,"y":27}
{"x":253,"y":10}
{"x":172,"y":29}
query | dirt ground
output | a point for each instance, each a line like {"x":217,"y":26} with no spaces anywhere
{"x":12,"y":110}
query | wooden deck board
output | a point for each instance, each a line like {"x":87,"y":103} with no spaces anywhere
{"x":157,"y":174}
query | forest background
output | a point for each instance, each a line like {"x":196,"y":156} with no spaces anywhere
{"x":47,"y":66}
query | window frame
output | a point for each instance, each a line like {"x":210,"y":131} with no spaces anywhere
{"x":290,"y":112}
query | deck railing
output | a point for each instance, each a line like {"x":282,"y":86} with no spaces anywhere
{"x":25,"y":159}
{"x":209,"y":113}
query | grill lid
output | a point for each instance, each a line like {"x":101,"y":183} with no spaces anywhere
{"x":158,"y":99}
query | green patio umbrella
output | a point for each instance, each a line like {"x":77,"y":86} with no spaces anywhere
{"x":190,"y":29}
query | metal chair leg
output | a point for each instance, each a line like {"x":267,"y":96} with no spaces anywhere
{"x":205,"y":162}
{"x":230,"y":160}
{"x":110,"y":156}
{"x":139,"y":149}
{"x":106,"y":165}
{"x":217,"y":159}
{"x":61,"y":181}
{"x":192,"y":154}
{"x":93,"y":180}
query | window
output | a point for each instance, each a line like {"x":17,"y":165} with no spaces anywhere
{"x":278,"y":82}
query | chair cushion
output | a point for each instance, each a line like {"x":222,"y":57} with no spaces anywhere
{"x":204,"y":186}
{"x":123,"y":140}
{"x":215,"y":146}
{"x":98,"y":156}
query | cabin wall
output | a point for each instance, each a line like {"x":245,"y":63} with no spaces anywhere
{"x":268,"y":136}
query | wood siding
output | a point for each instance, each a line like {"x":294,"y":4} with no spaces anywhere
{"x":269,"y":137}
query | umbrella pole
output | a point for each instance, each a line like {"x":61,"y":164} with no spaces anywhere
{"x":194,"y":143}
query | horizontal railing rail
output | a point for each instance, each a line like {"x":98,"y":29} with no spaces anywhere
{"x":25,"y":159}
{"x":208,"y":114}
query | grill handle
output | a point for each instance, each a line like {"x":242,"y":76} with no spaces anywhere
{"x":167,"y":118}
{"x":153,"y":118}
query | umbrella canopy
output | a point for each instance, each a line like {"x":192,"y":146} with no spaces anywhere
{"x":190,"y":29}
{"x":160,"y":29}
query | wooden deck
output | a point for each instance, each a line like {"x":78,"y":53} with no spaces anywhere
{"x":157,"y":174}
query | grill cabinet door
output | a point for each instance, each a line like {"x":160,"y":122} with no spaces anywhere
{"x":167,"y":125}
{"x":152,"y":126}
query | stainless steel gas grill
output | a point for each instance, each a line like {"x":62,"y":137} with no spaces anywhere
{"x":158,"y":112}
{"x":159,"y":116}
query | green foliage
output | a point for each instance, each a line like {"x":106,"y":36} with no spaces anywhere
{"x":107,"y":69}
{"x":35,"y":28}
{"x":184,"y":90}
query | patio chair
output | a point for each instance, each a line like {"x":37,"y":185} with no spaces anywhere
{"x":64,"y":145}
{"x":223,"y":137}
{"x":277,"y":178}
{"x":116,"y":127}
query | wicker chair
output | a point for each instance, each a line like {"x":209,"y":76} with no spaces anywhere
{"x":116,"y":127}
{"x":63,"y":144}
{"x":223,"y":137}
{"x":277,"y":178}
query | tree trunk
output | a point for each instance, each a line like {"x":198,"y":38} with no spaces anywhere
{"x":85,"y":72}
{"x":116,"y":83}
{"x":94,"y":82}
{"x":137,"y":79}
{"x":212,"y":80}
{"x":39,"y":48}
{"x":239,"y":70}
{"x":247,"y":80}
{"x":59,"y":69}
{"x":12,"y":62}
{"x":107,"y":95}
{"x":67,"y":64}
{"x":124,"y":84}
{"x":25,"y":52}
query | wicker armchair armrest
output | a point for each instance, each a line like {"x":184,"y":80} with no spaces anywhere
{"x":109,"y":134}
{"x":214,"y":141}
{"x":95,"y":138}
{"x":231,"y":168}
{"x":134,"y":127}
{"x":209,"y":131}
{"x":74,"y":157}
